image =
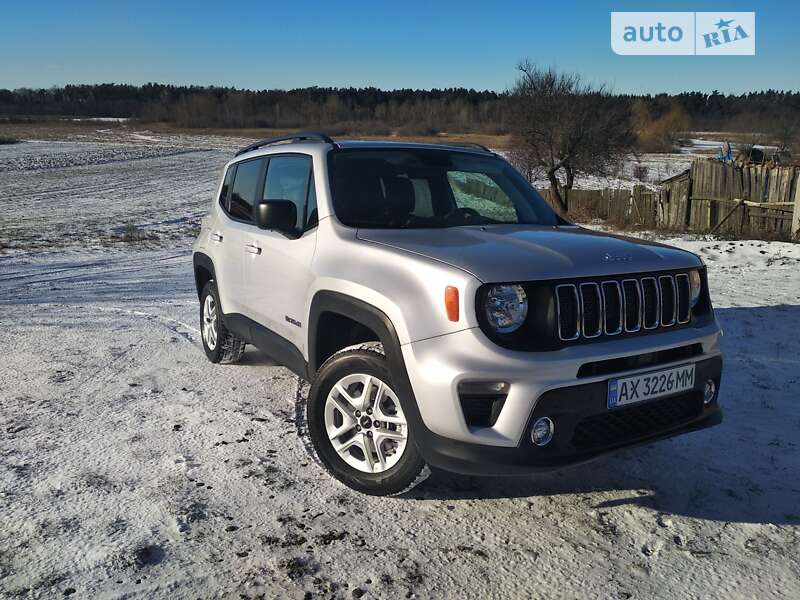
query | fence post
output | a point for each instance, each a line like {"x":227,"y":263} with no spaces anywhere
{"x":796,"y":212}
{"x":687,"y":216}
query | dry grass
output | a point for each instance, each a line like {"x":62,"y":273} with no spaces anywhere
{"x":46,"y":129}
{"x":359,"y":131}
{"x":60,"y":129}
{"x":130,"y":234}
{"x":580,"y":214}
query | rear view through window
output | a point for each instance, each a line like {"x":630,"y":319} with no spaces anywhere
{"x":245,"y":186}
{"x":410,"y":188}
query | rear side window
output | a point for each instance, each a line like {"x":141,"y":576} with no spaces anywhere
{"x":289,"y":178}
{"x":226,"y":186}
{"x":245,"y":189}
{"x":311,"y":206}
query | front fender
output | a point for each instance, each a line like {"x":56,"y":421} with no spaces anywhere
{"x":408,"y":288}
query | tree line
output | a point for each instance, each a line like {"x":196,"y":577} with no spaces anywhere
{"x":371,"y":110}
{"x":339,"y":110}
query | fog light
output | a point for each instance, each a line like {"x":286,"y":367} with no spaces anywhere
{"x":542,"y":431}
{"x":709,"y":392}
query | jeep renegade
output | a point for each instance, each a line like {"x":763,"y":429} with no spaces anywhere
{"x":445,"y":315}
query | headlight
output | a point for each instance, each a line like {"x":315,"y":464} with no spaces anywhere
{"x":506,"y":307}
{"x":695,"y":284}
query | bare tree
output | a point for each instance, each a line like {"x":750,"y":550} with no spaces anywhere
{"x":786,"y":129}
{"x":562,"y":126}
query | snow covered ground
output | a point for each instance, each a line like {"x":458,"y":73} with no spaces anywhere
{"x":66,"y":195}
{"x":130,"y":467}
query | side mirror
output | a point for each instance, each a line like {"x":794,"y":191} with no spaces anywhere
{"x":280,"y":215}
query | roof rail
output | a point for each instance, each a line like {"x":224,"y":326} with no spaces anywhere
{"x":470,"y":145}
{"x":294,"y":137}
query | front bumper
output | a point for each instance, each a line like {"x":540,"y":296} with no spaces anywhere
{"x":543,"y":384}
{"x":585,"y":429}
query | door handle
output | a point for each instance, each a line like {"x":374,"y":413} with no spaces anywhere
{"x":217,"y":237}
{"x":252,"y":249}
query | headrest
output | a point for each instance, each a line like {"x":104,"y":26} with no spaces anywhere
{"x":374,"y":196}
{"x":399,"y":196}
{"x":361,"y":197}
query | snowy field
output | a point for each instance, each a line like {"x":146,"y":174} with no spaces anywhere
{"x":130,"y":467}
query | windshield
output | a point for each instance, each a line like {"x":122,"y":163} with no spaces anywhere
{"x":424,"y":188}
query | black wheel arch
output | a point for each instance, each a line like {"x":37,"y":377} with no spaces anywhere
{"x":376,"y":320}
{"x":356,"y":310}
{"x":203,"y":268}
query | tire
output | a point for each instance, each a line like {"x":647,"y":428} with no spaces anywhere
{"x":221,"y":346}
{"x":394,"y":465}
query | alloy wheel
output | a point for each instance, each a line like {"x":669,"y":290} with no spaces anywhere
{"x":365,"y":423}
{"x":210,"y":322}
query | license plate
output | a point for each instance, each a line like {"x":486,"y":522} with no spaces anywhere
{"x":647,"y":386}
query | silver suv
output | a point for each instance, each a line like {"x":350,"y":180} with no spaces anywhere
{"x":445,"y":315}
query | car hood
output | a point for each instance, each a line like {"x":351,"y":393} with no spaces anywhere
{"x":497,"y":253}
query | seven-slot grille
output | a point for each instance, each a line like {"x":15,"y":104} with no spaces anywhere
{"x":594,"y":308}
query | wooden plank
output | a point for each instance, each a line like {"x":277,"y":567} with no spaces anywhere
{"x":780,"y":195}
{"x":724,"y":180}
{"x":747,"y":185}
{"x":775,"y":185}
{"x":746,"y":176}
{"x":786,"y":184}
{"x":729,"y":180}
{"x":795,"y":231}
{"x":759,"y":197}
{"x":764,"y":214}
{"x":768,"y":204}
{"x":765,"y":181}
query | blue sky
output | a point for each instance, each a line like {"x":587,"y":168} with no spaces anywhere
{"x":391,"y":44}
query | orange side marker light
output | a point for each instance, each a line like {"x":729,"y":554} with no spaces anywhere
{"x":451,"y":302}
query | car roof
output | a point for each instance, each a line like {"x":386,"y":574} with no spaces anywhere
{"x":316,"y":146}
{"x":412,"y":145}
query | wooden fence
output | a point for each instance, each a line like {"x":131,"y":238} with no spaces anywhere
{"x":625,"y":207}
{"x":743,"y":201}
{"x":754,"y":201}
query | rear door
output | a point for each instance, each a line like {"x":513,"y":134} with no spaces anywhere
{"x":236,"y":225}
{"x":278,"y":275}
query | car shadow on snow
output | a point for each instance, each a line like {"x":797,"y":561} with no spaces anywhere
{"x":745,"y":470}
{"x":256,"y":358}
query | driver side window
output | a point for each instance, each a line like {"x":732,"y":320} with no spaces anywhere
{"x":291,"y":178}
{"x":479,"y":192}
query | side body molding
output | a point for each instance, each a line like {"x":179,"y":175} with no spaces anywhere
{"x":279,"y":349}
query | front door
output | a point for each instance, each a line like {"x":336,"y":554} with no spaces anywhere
{"x":278,"y":268}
